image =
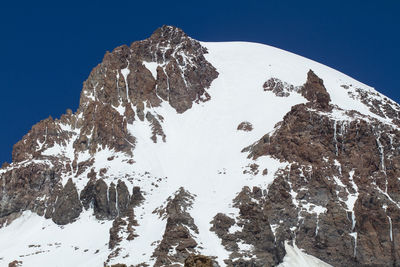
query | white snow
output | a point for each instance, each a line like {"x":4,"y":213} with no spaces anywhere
{"x":295,"y":258}
{"x":152,"y":67}
{"x":390,"y":229}
{"x":352,"y":198}
{"x":354,"y":236}
{"x":125,"y":72}
{"x":39,"y":242}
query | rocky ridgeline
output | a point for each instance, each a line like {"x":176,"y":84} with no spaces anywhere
{"x":118,"y":91}
{"x":167,"y":67}
{"x":338,"y":196}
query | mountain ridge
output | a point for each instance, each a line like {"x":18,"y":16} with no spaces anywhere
{"x":155,"y":152}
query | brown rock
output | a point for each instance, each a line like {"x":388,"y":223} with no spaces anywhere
{"x":245,"y":126}
{"x":123,"y":197}
{"x":315,"y":92}
{"x":15,"y":263}
{"x":68,"y":206}
{"x":177,"y":232}
{"x":137,"y":197}
{"x":100,"y":203}
{"x":314,"y":144}
{"x":198,"y":261}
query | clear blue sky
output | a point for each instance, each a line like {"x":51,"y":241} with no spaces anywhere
{"x":48,"y":50}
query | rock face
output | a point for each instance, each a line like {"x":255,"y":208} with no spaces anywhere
{"x":67,"y":207}
{"x":315,"y":92}
{"x":255,"y":231}
{"x":169,"y":66}
{"x":177,"y":230}
{"x":324,"y":178}
{"x":198,"y":261}
{"x":31,"y":187}
{"x":245,"y":126}
{"x":331,"y":163}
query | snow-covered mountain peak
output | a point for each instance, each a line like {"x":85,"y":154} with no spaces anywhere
{"x":238,"y":151}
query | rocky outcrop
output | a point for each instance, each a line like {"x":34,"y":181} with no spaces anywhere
{"x":339,"y":191}
{"x":245,"y":126}
{"x":376,"y":103}
{"x":137,"y":197}
{"x":252,"y":243}
{"x":123,"y":227}
{"x":103,"y":126}
{"x":178,"y":230}
{"x":198,"y":261}
{"x":15,"y":263}
{"x":337,"y":196}
{"x":87,"y":194}
{"x":280,"y":88}
{"x":43,"y":135}
{"x":108,"y":202}
{"x":32,"y":187}
{"x":156,"y":127}
{"x":123,"y":197}
{"x":314,"y":91}
{"x":169,"y":66}
{"x":101,"y":205}
{"x":68,"y":207}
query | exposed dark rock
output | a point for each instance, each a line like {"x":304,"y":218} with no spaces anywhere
{"x":136,"y":197}
{"x":15,"y":263}
{"x":100,"y":204}
{"x":68,"y":207}
{"x":109,"y":202}
{"x":123,"y":226}
{"x":329,"y":162}
{"x":155,"y":127}
{"x":377,"y":103}
{"x":121,"y":82}
{"x":315,"y":92}
{"x":115,"y":238}
{"x":116,"y":93}
{"x":177,"y":232}
{"x":362,"y":154}
{"x":279,"y":88}
{"x":245,"y":126}
{"x":42,"y":135}
{"x":112,"y":201}
{"x":198,"y":261}
{"x":187,"y":73}
{"x":87,"y":194}
{"x":123,"y":197}
{"x":254,"y":230}
{"x":31,"y":187}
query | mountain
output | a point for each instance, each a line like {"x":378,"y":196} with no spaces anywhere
{"x":241,"y":152}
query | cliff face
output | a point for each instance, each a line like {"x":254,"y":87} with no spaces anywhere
{"x":167,"y":67}
{"x":181,"y":148}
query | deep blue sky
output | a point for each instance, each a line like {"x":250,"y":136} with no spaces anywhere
{"x":48,"y":50}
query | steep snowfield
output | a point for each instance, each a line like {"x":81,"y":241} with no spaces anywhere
{"x":39,"y":242}
{"x":202,"y":153}
{"x":295,"y":257}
